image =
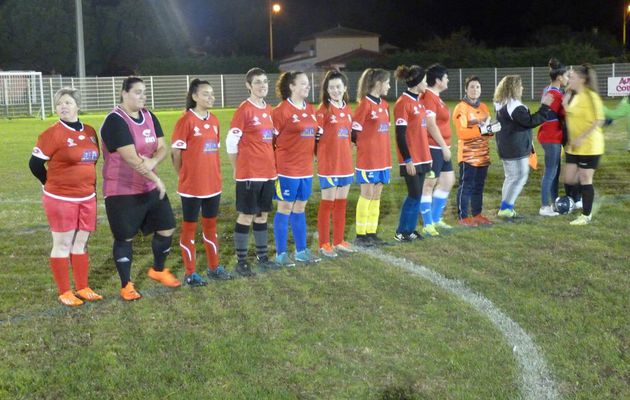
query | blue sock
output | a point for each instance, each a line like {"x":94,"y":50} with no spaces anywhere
{"x":439,"y":203}
{"x":506,"y":206}
{"x":298,"y":227}
{"x":425,"y":210}
{"x":281,"y":231}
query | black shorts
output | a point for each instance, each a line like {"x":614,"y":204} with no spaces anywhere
{"x":145,"y":212}
{"x":209,"y":207}
{"x":255,"y":197}
{"x":420,"y":169}
{"x":439,"y":165}
{"x":583,"y":162}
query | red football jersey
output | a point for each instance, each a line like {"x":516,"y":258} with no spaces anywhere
{"x":71,"y":157}
{"x":296,"y":127}
{"x":371,"y":121}
{"x":334,"y":149}
{"x":551,"y":130}
{"x":199,"y":140}
{"x":255,"y":159}
{"x":436,"y":107}
{"x":410,"y":112}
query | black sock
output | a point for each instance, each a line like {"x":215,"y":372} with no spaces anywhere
{"x":261,"y":238}
{"x":241,"y":241}
{"x":161,"y":246}
{"x":569,"y":190}
{"x":122,"y":257}
{"x":588,"y":195}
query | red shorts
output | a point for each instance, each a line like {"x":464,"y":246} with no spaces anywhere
{"x":64,"y":215}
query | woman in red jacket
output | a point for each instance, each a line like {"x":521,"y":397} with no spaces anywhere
{"x":550,"y":137}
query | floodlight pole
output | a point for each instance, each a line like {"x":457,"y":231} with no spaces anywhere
{"x":271,"y":30}
{"x":80,"y":44}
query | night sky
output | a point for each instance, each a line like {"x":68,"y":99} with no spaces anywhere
{"x":402,"y":23}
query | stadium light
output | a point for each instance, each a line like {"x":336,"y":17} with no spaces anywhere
{"x":274,"y":8}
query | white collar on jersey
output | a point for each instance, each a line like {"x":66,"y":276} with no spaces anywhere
{"x":343,"y":104}
{"x":199,"y":116}
{"x":303,"y":107}
{"x":264,"y":104}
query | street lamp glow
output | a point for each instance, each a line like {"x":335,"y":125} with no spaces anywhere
{"x":276,"y":8}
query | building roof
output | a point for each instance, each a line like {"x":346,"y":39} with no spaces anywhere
{"x":351,"y":55}
{"x":341,"y":31}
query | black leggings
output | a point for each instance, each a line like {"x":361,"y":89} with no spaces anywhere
{"x":209,"y":207}
{"x":414,"y":185}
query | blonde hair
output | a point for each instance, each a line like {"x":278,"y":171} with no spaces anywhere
{"x":588,"y":73}
{"x":74,"y":93}
{"x":368,"y":80}
{"x":507,"y":89}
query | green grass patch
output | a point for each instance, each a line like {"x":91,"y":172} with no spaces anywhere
{"x":353,"y":328}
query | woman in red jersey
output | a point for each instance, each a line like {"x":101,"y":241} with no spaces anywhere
{"x":550,"y":136}
{"x":249,"y":146}
{"x":195,"y":153}
{"x":334,"y":163}
{"x":414,"y":158}
{"x":296,"y":127}
{"x":70,"y":149}
{"x":370,"y":132}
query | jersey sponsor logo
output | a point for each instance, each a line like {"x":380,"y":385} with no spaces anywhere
{"x":357,"y":126}
{"x":383,"y":127}
{"x":197,"y":131}
{"x":148,"y":138}
{"x":179,"y":144}
{"x":424,"y":123}
{"x":295,"y":119}
{"x":36,"y":151}
{"x":255,"y":121}
{"x":401,"y":121}
{"x":89,"y":156}
{"x":70,"y":142}
{"x":267,"y":135}
{"x":210,"y":146}
{"x":343,"y":133}
{"x":308,"y":133}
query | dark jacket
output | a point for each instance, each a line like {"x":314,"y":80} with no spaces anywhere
{"x":514,"y":140}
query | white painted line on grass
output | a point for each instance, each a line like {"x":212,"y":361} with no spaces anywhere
{"x":536,"y":381}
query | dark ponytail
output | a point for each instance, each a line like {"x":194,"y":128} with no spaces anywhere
{"x":411,"y":75}
{"x":192,"y":89}
{"x":556,"y":69}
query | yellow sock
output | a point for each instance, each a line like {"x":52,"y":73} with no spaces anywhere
{"x":363,"y":206}
{"x":373,"y":213}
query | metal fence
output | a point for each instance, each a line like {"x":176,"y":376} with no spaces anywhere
{"x":169,"y":91}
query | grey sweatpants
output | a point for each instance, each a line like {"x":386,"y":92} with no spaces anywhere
{"x":516,"y":173}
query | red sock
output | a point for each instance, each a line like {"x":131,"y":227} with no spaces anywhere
{"x":80,"y":267}
{"x":60,"y":271}
{"x":187,"y":243}
{"x":210,"y":241}
{"x":339,"y":220}
{"x":323,"y":221}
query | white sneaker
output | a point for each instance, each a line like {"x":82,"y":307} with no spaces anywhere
{"x":581,"y":220}
{"x":547,"y":211}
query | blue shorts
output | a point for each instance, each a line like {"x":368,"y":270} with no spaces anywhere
{"x":334,"y":181}
{"x":292,"y":189}
{"x":378,"y":176}
{"x":439,"y":164}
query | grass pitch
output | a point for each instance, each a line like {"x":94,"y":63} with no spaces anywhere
{"x":353,"y":328}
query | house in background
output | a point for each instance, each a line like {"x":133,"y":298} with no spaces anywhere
{"x":332,"y":48}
